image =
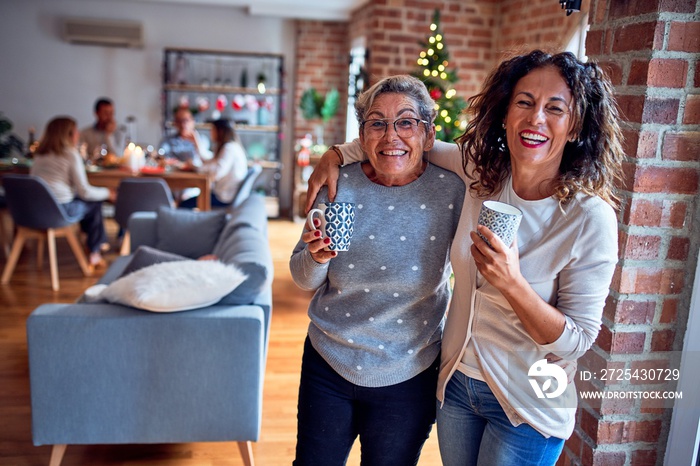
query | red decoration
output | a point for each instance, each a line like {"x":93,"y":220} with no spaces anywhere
{"x":435,"y":93}
{"x":221,"y":102}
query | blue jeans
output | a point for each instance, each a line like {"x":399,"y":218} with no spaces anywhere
{"x":474,"y":430}
{"x":191,"y":203}
{"x":91,"y":222}
{"x":392,"y":422}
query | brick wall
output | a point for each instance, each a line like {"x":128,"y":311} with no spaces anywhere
{"x":650,"y":49}
{"x":392,"y":30}
{"x":525,"y":24}
{"x":322,"y":50}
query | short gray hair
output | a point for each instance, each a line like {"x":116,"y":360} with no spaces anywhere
{"x":399,"y":84}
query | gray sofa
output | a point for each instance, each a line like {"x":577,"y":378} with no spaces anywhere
{"x":107,"y":373}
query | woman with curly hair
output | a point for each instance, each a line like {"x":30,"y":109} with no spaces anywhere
{"x":543,"y":136}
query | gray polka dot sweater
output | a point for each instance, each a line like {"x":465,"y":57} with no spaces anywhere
{"x":378,"y":310}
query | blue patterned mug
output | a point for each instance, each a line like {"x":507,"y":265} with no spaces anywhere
{"x":337,"y":223}
{"x":502,"y":219}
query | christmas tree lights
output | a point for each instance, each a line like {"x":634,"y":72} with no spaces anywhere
{"x":440,"y":80}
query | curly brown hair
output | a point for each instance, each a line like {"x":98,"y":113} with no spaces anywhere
{"x":592,"y":164}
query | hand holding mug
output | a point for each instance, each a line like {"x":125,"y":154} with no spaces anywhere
{"x":335,"y":227}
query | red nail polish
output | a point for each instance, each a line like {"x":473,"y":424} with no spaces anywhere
{"x":317,"y":233}
{"x":327,"y":241}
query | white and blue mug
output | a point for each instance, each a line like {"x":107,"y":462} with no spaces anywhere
{"x":502,"y":219}
{"x":337,"y":223}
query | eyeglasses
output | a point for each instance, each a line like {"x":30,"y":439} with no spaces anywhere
{"x":404,"y":127}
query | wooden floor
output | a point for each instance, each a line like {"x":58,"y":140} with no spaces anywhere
{"x":31,"y":287}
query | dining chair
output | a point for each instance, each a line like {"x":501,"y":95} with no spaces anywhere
{"x":5,"y":239}
{"x":139,"y":195}
{"x":247,"y":185}
{"x":37,"y":214}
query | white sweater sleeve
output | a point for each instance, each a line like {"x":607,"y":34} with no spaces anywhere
{"x":79,"y":182}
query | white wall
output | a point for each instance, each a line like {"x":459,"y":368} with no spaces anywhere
{"x":42,"y":76}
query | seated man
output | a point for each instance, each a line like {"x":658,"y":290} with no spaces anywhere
{"x":186,"y":145}
{"x":104,"y":133}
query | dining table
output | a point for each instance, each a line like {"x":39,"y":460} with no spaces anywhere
{"x":176,"y":179}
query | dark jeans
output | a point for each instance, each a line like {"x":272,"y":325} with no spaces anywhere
{"x":191,"y":203}
{"x":91,"y":223}
{"x":392,"y":422}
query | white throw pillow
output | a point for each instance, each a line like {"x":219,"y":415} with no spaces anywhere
{"x":171,"y":286}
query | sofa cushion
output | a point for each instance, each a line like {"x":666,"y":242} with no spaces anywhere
{"x":171,"y":286}
{"x":248,"y":249}
{"x":187,"y":233}
{"x":146,"y":255}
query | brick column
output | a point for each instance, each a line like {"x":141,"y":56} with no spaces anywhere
{"x":322,"y":58}
{"x":651,"y":50}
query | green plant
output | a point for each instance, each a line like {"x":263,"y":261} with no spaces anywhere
{"x":9,"y":142}
{"x":316,"y":106}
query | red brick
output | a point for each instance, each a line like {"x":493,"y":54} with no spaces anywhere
{"x":617,"y":432}
{"x":589,"y":425}
{"x":609,"y":432}
{"x":678,"y":248}
{"x":594,"y":42}
{"x":677,"y":6}
{"x":645,"y":213}
{"x":669,"y":311}
{"x":633,"y":37}
{"x":641,"y":247}
{"x":683,"y":146}
{"x":639,"y":72}
{"x":663,"y":213}
{"x":648,"y":144}
{"x":643,"y":431}
{"x":630,"y":142}
{"x":628,"y":342}
{"x":662,"y":340}
{"x":684,"y":36}
{"x":631,"y":107}
{"x":691,"y":116}
{"x":604,"y":339}
{"x":668,"y":72}
{"x":696,"y":81}
{"x":613,"y":70}
{"x":630,"y":9}
{"x":635,"y":312}
{"x":613,"y":406}
{"x":661,"y":111}
{"x":666,"y":180}
{"x":672,"y":281}
{"x":608,"y":458}
{"x":573,"y":443}
{"x":674,"y":213}
{"x":644,"y":457}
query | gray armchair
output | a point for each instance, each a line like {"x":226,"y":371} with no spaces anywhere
{"x":37,"y":214}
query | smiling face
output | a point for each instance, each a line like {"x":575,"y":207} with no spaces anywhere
{"x":395,"y":160}
{"x":539,"y":122}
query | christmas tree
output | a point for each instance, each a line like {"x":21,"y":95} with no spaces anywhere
{"x":434,"y":72}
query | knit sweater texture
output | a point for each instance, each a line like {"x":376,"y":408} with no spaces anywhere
{"x":378,"y":311}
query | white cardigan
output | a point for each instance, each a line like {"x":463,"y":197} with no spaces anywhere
{"x":228,"y":170}
{"x":569,"y":263}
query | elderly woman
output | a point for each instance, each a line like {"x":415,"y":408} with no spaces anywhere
{"x":542,"y":136}
{"x":371,"y":357}
{"x":58,"y":162}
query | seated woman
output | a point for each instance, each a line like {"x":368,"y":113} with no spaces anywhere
{"x":226,"y":169}
{"x":58,"y":162}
